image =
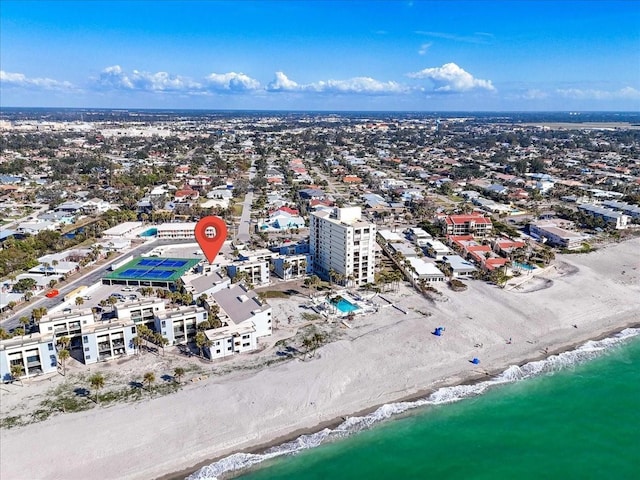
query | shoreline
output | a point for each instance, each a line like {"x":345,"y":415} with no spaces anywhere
{"x":384,"y":358}
{"x":422,"y":394}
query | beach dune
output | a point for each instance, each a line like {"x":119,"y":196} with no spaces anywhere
{"x":582,"y":297}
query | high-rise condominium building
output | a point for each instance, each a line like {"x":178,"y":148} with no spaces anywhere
{"x":340,"y":241}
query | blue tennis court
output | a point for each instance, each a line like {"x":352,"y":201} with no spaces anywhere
{"x":150,"y":271}
{"x":135,"y":273}
{"x":161,"y":262}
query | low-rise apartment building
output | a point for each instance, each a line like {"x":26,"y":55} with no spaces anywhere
{"x":471,"y":224}
{"x":35,"y":354}
{"x":617,"y":219}
{"x":245,"y":319}
{"x":556,"y":236}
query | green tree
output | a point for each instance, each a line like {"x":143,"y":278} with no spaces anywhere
{"x":64,"y":342}
{"x":24,"y":321}
{"x":97,"y":382}
{"x":64,"y":355}
{"x":79,"y":301}
{"x":202,"y":341}
{"x":17,"y":371}
{"x":24,"y":284}
{"x":137,"y":343}
{"x":38,"y":313}
{"x":178,"y":373}
{"x":149,"y":378}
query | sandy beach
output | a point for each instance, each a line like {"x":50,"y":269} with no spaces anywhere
{"x":385,"y":357}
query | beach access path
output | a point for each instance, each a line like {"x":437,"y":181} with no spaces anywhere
{"x":383,"y":359}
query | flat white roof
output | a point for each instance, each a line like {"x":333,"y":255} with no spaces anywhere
{"x":423,"y":268}
{"x":390,"y":236}
{"x":177,"y":226}
{"x":123,"y":228}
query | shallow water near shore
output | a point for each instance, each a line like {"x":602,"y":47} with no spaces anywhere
{"x":575,"y":415}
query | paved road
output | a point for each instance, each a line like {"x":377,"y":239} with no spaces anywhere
{"x":245,"y":219}
{"x":244,"y":234}
{"x":88,"y":278}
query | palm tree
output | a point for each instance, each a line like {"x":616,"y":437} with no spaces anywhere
{"x":79,"y":301}
{"x":149,"y":378}
{"x":137,"y":344}
{"x":302,"y":267}
{"x":64,"y":342}
{"x":201,"y":300}
{"x":158,"y":339}
{"x":178,"y":373}
{"x":315,"y":282}
{"x":17,"y":371}
{"x":97,"y":382}
{"x":63,"y":356}
{"x":38,"y":313}
{"x":202,"y":341}
{"x":332,"y":277}
{"x":24,"y":321}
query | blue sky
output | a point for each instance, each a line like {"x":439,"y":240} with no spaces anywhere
{"x":323,"y":55}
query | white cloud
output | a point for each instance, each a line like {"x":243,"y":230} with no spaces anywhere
{"x":424,"y":48}
{"x":115,"y":77}
{"x":21,"y":80}
{"x":534,"y":94}
{"x":476,"y":37}
{"x":629,"y":93}
{"x":362,"y":85}
{"x":232,"y":82}
{"x":282,"y":83}
{"x":450,"y":78}
{"x":356,"y":85}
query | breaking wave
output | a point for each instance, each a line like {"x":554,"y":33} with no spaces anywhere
{"x":553,"y":363}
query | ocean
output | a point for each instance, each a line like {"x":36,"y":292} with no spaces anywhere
{"x":573,"y":415}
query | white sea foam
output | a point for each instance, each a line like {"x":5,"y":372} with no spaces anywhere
{"x":585,"y":352}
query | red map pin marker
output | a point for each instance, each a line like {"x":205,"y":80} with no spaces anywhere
{"x":211,"y":245}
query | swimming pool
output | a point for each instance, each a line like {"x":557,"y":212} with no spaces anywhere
{"x":345,"y":306}
{"x":523,"y":266}
{"x":152,"y":232}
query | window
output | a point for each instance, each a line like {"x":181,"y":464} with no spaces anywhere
{"x":217,"y":351}
{"x":85,"y":339}
{"x":245,"y":337}
{"x":164,"y":323}
{"x":133,"y":329}
{"x":86,"y":349}
{"x":50,"y":328}
{"x":228,"y":349}
{"x":87,"y":357}
{"x":246,"y":344}
{"x":50,"y":347}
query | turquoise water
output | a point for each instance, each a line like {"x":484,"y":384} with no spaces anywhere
{"x":149,"y":233}
{"x":574,"y":415}
{"x":345,"y":306}
{"x":524,"y":266}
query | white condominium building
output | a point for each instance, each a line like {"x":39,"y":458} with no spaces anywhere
{"x":341,"y":241}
